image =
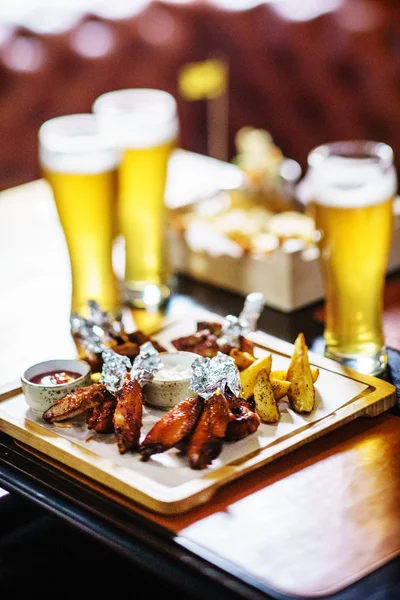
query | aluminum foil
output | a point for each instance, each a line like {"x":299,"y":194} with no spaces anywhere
{"x":235,"y":327}
{"x":96,"y":332}
{"x":114,"y":369}
{"x":252,"y":309}
{"x":146,"y":364}
{"x":83,"y":330}
{"x":111,"y":326}
{"x":210,"y":375}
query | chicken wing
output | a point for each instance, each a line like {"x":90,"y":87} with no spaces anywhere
{"x":138,"y":337}
{"x":76,"y":403}
{"x":127,"y":419}
{"x":212,"y":326}
{"x":245,"y":421}
{"x":206,"y":341}
{"x":202,"y":342}
{"x":208,"y":436}
{"x":174,"y":427}
{"x":100,"y":417}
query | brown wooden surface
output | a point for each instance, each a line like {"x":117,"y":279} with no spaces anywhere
{"x":309,"y":523}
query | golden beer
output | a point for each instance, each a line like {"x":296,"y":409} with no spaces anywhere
{"x":142,"y":215}
{"x":143,"y":123}
{"x":82,"y":174}
{"x":353,"y":192}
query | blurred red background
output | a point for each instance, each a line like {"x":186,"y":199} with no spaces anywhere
{"x":309,"y":72}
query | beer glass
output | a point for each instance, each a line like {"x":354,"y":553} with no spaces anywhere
{"x":143,"y":123}
{"x":353,"y":184}
{"x":81,"y":167}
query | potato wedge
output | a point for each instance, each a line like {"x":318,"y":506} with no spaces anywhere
{"x":264,"y":399}
{"x":282,"y":374}
{"x":280,"y":387}
{"x":248,"y":376}
{"x":302,"y":393}
{"x":314,"y":373}
{"x":242,"y":359}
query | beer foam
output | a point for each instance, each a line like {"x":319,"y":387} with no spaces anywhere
{"x":82,"y":163}
{"x":138,"y":118}
{"x":351,"y":182}
{"x":74,"y":144}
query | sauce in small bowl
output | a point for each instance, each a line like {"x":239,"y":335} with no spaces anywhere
{"x":51,"y":380}
{"x":171,"y":383}
{"x":55,"y":377}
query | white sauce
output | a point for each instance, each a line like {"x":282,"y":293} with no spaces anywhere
{"x":173,"y":373}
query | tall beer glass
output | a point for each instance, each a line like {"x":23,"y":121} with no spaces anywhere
{"x":353,"y":185}
{"x":144,"y":125}
{"x":81,"y":167}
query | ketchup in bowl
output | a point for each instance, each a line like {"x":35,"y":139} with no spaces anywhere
{"x":55,"y":377}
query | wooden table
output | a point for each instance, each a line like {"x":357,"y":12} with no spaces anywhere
{"x":317,"y":521}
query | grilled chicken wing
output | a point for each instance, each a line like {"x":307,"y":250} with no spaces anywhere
{"x":100,"y":417}
{"x":76,"y":403}
{"x":207,"y":439}
{"x":202,"y":342}
{"x":245,"y":421}
{"x":205,"y":341}
{"x":127,"y":419}
{"x":138,"y":337}
{"x":174,"y":427}
{"x":212,"y":326}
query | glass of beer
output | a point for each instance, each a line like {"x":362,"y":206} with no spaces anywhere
{"x":80,"y":165}
{"x":353,"y":184}
{"x":144,"y":124}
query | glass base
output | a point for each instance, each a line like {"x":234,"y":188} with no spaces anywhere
{"x":374,"y":364}
{"x":146,"y":295}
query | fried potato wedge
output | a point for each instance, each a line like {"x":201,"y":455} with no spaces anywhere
{"x":283,"y":374}
{"x":280,"y":387}
{"x":248,"y":376}
{"x":266,"y":405}
{"x":242,"y":359}
{"x":302,"y":393}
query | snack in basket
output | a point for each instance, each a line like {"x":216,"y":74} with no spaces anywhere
{"x":244,"y":231}
{"x":259,"y":158}
{"x":257,"y":218}
{"x":291,"y":225}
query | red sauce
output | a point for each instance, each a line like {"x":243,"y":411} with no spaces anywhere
{"x":55,"y":377}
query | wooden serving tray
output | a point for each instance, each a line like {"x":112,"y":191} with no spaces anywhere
{"x":166,"y":484}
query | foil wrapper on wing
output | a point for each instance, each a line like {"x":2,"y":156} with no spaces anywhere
{"x":235,"y":328}
{"x":114,"y":369}
{"x":99,"y":331}
{"x":211,"y":375}
{"x":146,"y":365}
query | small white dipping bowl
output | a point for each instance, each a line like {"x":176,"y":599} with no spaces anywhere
{"x":40,"y":397}
{"x":166,"y":388}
